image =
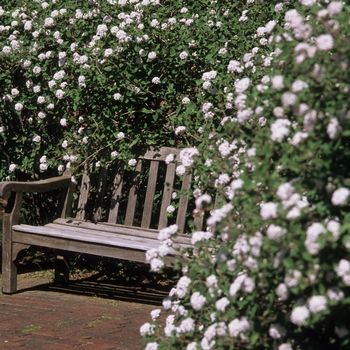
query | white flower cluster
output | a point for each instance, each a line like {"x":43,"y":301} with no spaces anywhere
{"x":155,"y":255}
{"x":315,"y":304}
{"x":343,"y":271}
{"x":186,"y":157}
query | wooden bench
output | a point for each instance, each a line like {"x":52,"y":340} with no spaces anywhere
{"x":110,"y":220}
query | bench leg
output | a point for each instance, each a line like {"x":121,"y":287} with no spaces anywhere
{"x":61,"y":271}
{"x":9,"y":275}
{"x":9,"y":267}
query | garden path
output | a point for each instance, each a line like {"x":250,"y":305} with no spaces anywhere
{"x":86,"y":314}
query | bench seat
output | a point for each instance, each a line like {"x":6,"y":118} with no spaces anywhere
{"x":103,"y":239}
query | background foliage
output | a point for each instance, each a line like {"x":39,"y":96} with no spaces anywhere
{"x":83,"y":77}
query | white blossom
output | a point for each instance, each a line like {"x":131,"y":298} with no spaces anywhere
{"x":41,"y":99}
{"x":132,"y":162}
{"x":268,"y":210}
{"x":242,"y":85}
{"x":147,"y":329}
{"x":170,"y":209}
{"x":156,"y":80}
{"x":60,"y":94}
{"x":183,"y":55}
{"x":324,"y":42}
{"x":43,"y":166}
{"x":282,"y":291}
{"x":299,"y":315}
{"x":276,"y":331}
{"x":197,"y":301}
{"x":285,"y":191}
{"x":117,"y":96}
{"x":333,"y":128}
{"x":221,"y":304}
{"x":238,"y":326}
{"x":49,"y":22}
{"x":340,"y":196}
{"x":279,"y":129}
{"x":186,"y":325}
{"x":120,"y":135}
{"x":335,"y":293}
{"x":277,"y":82}
{"x":317,"y":303}
{"x":285,"y":346}
{"x":182,"y":286}
{"x":334,"y":227}
{"x":199,"y":236}
{"x":18,"y":107}
{"x":156,"y":265}
{"x":152,"y":55}
{"x":334,"y":7}
{"x":151,"y":345}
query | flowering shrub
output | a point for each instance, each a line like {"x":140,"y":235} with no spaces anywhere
{"x":272,"y":271}
{"x":259,"y":90}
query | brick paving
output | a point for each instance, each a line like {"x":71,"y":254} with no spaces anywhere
{"x":83,"y":315}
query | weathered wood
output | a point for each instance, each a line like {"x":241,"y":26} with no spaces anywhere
{"x":167,"y":192}
{"x":151,"y":189}
{"x":97,"y":213}
{"x":84,"y":194}
{"x":6,"y":187}
{"x":116,"y":229}
{"x":132,"y":198}
{"x":83,"y":247}
{"x":183,"y":202}
{"x":10,"y":218}
{"x":116,"y":193}
{"x":72,"y":235}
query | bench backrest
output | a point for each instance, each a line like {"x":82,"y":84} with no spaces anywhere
{"x":135,"y":198}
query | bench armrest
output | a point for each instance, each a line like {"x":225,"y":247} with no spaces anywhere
{"x":6,"y":187}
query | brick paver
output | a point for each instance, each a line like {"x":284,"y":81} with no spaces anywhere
{"x":83,"y":315}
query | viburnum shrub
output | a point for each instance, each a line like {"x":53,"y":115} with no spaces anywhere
{"x":84,"y":78}
{"x":272,"y":270}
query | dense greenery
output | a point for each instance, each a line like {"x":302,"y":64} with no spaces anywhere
{"x":258,"y":93}
{"x":79,"y":78}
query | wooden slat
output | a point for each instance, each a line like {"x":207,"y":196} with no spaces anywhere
{"x":151,"y":189}
{"x":6,"y":187}
{"x":167,"y":192}
{"x":99,"y":249}
{"x":116,"y":229}
{"x":183,"y":202}
{"x":103,"y":226}
{"x":84,"y":194}
{"x":100,"y":192}
{"x":116,"y":193}
{"x":72,"y":235}
{"x":132,"y":199}
{"x":198,"y":220}
{"x":119,"y":231}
